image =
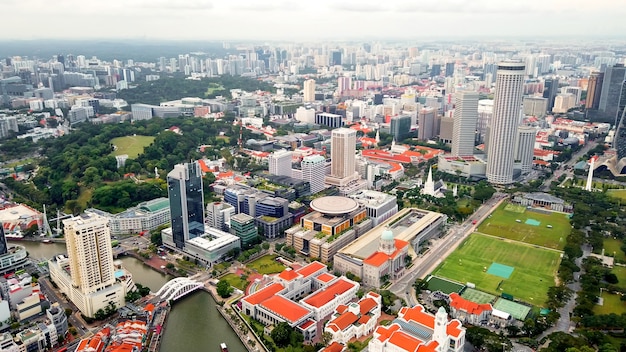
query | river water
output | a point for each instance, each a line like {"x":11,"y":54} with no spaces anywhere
{"x":194,"y":324}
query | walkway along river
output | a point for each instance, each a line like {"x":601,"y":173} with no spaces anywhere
{"x":194,"y":323}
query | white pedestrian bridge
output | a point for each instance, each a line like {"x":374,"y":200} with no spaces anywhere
{"x":177,"y":288}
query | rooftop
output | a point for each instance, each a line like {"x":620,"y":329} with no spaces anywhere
{"x":334,"y":205}
{"x":264,"y":293}
{"x":322,"y":297}
{"x":287,"y":309}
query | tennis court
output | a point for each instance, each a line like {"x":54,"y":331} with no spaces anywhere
{"x":476,"y":296}
{"x":517,"y":311}
{"x":501,"y":270}
{"x":446,"y":286}
{"x":532,"y":222}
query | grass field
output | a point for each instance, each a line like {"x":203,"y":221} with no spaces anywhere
{"x":612,"y":304}
{"x":535,"y":268}
{"x":266,"y":265}
{"x":131,"y":145}
{"x":617,"y":193}
{"x":213,"y":87}
{"x":614,"y":245}
{"x":502,"y":223}
{"x":235,"y":281}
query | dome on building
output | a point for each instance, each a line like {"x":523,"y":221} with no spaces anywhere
{"x":387,"y":235}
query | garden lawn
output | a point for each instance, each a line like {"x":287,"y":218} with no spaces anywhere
{"x":266,"y":265}
{"x":131,"y":145}
{"x":620,"y":272}
{"x":617,"y":193}
{"x":534,"y":268}
{"x":612,"y":304}
{"x":235,"y":281}
{"x":612,"y":245}
{"x":502,"y":223}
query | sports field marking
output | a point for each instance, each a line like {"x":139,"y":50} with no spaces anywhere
{"x":533,"y":222}
{"x":517,"y":311}
{"x":501,"y":270}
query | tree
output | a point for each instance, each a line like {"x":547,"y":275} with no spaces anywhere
{"x":224,"y":289}
{"x":281,"y":334}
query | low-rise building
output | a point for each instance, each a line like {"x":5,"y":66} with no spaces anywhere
{"x":146,"y":216}
{"x":208,"y":248}
{"x":355,"y":319}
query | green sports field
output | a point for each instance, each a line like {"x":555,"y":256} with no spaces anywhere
{"x":534,"y":268}
{"x":131,"y":145}
{"x":503,"y":223}
{"x":613,"y":246}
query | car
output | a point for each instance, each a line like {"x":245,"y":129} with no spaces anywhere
{"x":474,"y":222}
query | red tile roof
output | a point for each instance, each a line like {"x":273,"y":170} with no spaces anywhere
{"x":418,"y":315}
{"x":288,"y":275}
{"x":460,"y":303}
{"x":306,"y":324}
{"x":264,"y":293}
{"x":405,"y":341}
{"x":454,"y":328}
{"x":344,"y":320}
{"x":285,"y":308}
{"x":364,"y":319}
{"x":311,"y":269}
{"x":326,"y":277}
{"x":341,"y":308}
{"x":203,"y":166}
{"x":334,"y":347}
{"x":367,"y":305}
{"x":324,"y":296}
{"x":377,"y":259}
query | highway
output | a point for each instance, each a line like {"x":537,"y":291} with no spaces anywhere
{"x":440,"y":249}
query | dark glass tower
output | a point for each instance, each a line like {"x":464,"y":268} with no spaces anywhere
{"x":620,"y":136}
{"x":4,"y":248}
{"x":184,"y":189}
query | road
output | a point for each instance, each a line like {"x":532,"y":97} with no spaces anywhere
{"x":440,"y":249}
{"x":54,"y":296}
{"x":564,"y":167}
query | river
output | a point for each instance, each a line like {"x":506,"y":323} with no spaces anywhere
{"x":194,"y":323}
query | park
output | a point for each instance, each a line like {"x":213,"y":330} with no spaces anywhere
{"x":500,"y":266}
{"x":131,"y":145}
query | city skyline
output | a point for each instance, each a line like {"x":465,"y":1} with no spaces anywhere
{"x":281,"y":20}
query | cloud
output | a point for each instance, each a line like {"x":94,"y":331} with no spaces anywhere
{"x":356,"y":6}
{"x":265,"y":7}
{"x":466,"y":6}
{"x":192,"y":5}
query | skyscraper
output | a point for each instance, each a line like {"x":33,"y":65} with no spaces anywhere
{"x":620,"y":136}
{"x":89,"y":250}
{"x":449,"y":69}
{"x":342,"y":150}
{"x":505,"y":121}
{"x":426,"y":123}
{"x":611,"y":90}
{"x":184,"y":189}
{"x":309,"y":90}
{"x":280,"y":163}
{"x":524,"y":147}
{"x":594,"y":90}
{"x":465,"y":118}
{"x":400,"y":127}
{"x":550,"y":89}
{"x":313,"y":172}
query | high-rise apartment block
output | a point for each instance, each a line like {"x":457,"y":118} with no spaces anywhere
{"x":314,"y":171}
{"x":524,"y":147}
{"x":342,"y":151}
{"x":184,"y":188}
{"x":464,"y":128}
{"x":426,"y":123}
{"x":280,"y":163}
{"x":309,"y":91}
{"x":505,"y":121}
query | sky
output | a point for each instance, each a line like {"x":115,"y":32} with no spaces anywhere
{"x":309,"y":20}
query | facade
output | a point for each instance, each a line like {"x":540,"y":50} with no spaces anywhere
{"x":184,"y":189}
{"x":329,"y":120}
{"x":467,"y":166}
{"x":469,"y":312}
{"x":314,"y":172}
{"x":355,"y":319}
{"x":465,"y":119}
{"x":362,"y":257}
{"x":426,"y":123}
{"x":218,"y":215}
{"x":503,"y":129}
{"x":535,"y":106}
{"x":309,"y":91}
{"x":57,"y":316}
{"x":543,"y":201}
{"x":485,"y":113}
{"x":12,"y":257}
{"x":243,"y":226}
{"x":550,"y":90}
{"x":400,"y":127}
{"x":379,"y":206}
{"x":323,"y":302}
{"x":524,"y":148}
{"x":620,"y":136}
{"x":611,"y":90}
{"x":87,"y":275}
{"x":417,"y":330}
{"x":280,"y":163}
{"x":146,"y":216}
{"x":342,"y":151}
{"x":594,"y":90}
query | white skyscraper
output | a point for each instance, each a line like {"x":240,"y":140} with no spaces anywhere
{"x":280,"y":163}
{"x":465,"y":117}
{"x":313,"y":172}
{"x":88,"y":242}
{"x":342,"y":151}
{"x":309,"y":91}
{"x":524,"y":147}
{"x":504,"y":124}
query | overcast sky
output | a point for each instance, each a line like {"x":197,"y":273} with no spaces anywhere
{"x":307,"y":20}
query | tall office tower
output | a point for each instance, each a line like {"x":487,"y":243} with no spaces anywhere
{"x":449,"y":69}
{"x":89,"y":251}
{"x":503,"y":128}
{"x":465,"y":118}
{"x":184,"y":189}
{"x":535,"y":106}
{"x":620,"y":136}
{"x":524,"y":147}
{"x":435,"y":70}
{"x":335,"y":58}
{"x":550,"y":89}
{"x":400,"y":127}
{"x":594,"y":90}
{"x":611,"y":89}
{"x":343,"y":84}
{"x":280,"y":163}
{"x":162,"y":64}
{"x":313,"y":172}
{"x":426,"y":123}
{"x":4,"y":248}
{"x":485,"y":113}
{"x":309,"y":90}
{"x":342,"y":151}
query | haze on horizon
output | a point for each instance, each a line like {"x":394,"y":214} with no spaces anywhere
{"x":309,"y":20}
